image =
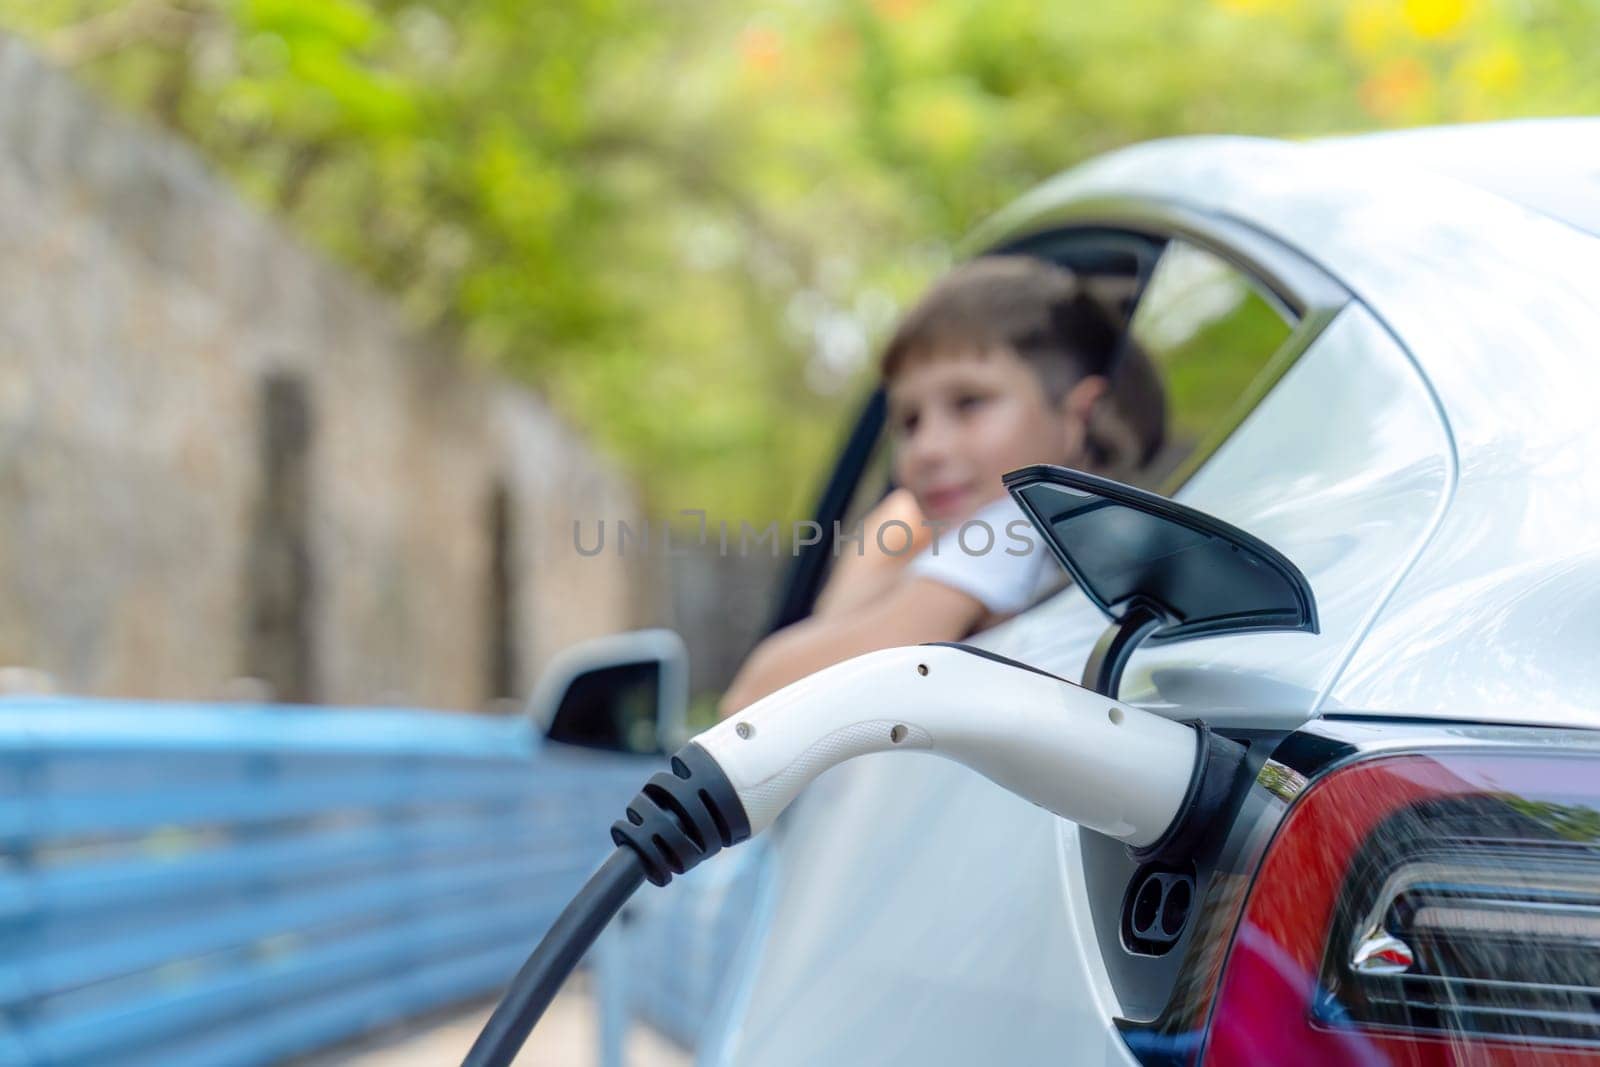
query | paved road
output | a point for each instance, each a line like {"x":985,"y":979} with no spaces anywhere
{"x":567,"y":1037}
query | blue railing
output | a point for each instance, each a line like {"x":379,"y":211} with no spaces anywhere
{"x":227,"y":884}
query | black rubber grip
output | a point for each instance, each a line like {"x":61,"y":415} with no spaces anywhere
{"x":1217,"y":761}
{"x":683,"y":817}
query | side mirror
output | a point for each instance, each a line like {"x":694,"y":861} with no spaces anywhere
{"x":626,"y":693}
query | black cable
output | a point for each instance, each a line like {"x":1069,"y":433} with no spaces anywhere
{"x":681,"y":817}
{"x":535,"y":986}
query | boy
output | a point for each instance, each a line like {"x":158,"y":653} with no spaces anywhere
{"x":1003,"y":363}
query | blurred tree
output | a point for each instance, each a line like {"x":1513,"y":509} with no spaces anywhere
{"x":690,"y":226}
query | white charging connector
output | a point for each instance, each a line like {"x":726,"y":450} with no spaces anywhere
{"x":1155,"y":784}
{"x":1098,"y":762}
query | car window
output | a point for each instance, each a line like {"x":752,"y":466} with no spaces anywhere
{"x":1198,"y":352}
{"x":1210,"y":334}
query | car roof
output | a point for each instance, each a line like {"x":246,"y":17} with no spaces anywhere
{"x":1470,"y":243}
{"x":1551,"y":166}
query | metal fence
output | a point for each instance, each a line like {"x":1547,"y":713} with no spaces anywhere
{"x":236,"y":885}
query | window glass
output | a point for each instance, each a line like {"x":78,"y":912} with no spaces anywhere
{"x":1210,"y":334}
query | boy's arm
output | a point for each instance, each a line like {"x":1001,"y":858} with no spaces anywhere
{"x":936,"y":596}
{"x":914,"y":611}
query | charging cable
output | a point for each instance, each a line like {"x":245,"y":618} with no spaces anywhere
{"x":1150,"y":782}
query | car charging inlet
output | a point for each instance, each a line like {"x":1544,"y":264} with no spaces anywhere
{"x":1156,"y":911}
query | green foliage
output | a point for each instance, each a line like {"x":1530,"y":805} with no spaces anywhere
{"x":1207,"y":374}
{"x":690,"y":224}
{"x":1574,"y":822}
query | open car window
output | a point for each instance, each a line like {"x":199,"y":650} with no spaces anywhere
{"x":1202,"y":343}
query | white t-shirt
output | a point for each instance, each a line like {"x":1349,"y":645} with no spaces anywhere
{"x":996,"y":557}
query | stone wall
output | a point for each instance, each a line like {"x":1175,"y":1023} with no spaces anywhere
{"x":222,"y":459}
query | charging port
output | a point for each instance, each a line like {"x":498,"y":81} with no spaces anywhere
{"x":1156,"y":910}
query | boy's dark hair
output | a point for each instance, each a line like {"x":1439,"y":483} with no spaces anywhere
{"x":1043,"y":313}
{"x":1035,"y":308}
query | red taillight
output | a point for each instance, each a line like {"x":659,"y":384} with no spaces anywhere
{"x":1423,"y":909}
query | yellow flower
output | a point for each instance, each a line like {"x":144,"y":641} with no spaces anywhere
{"x":1433,"y":19}
{"x":1495,"y":69}
{"x":1369,"y":25}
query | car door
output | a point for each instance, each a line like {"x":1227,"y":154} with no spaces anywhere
{"x":914,"y":912}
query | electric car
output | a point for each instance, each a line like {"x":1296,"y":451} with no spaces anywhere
{"x":1381,"y":358}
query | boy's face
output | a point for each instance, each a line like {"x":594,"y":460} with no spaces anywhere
{"x":960,"y":421}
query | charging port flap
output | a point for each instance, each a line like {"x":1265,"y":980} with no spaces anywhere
{"x":1158,"y":570}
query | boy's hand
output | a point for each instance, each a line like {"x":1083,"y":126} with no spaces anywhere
{"x":898,"y":506}
{"x":860,"y":578}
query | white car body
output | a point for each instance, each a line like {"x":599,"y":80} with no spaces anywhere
{"x":1429,"y":462}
